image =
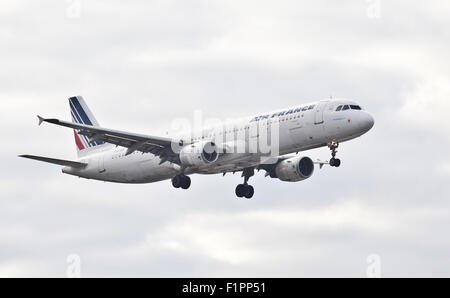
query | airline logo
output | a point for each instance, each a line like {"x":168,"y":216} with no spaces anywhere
{"x":279,"y":114}
{"x":80,"y":116}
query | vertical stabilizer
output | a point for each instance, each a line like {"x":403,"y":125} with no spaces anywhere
{"x":81,"y":114}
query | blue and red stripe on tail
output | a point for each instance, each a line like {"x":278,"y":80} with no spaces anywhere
{"x":81,"y":114}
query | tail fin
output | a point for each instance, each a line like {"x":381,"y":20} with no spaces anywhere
{"x":81,"y":114}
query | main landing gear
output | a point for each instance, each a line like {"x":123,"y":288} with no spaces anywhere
{"x":182,"y":181}
{"x":246,"y":190}
{"x":334,"y":162}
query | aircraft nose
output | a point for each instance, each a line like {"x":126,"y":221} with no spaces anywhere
{"x":366,"y":122}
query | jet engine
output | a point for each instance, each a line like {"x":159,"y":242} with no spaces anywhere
{"x":293,"y":169}
{"x":199,"y":154}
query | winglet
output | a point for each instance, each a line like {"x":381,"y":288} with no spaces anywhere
{"x":40,"y":120}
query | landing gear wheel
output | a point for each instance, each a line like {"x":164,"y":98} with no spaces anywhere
{"x":186,"y":182}
{"x":240,"y":190}
{"x":332,"y":162}
{"x":181,"y":181}
{"x":250,"y":191}
{"x":177,"y":181}
{"x":245,"y":190}
{"x":337,"y":163}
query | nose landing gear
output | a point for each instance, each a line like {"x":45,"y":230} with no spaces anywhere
{"x":334,"y":162}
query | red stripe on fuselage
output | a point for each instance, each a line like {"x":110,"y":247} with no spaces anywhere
{"x":78,"y":141}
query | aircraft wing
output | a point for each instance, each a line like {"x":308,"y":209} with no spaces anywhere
{"x":159,"y":146}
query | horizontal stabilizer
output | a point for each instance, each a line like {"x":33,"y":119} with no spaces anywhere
{"x":61,"y":162}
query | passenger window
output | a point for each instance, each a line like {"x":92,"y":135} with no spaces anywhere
{"x":339,"y":108}
{"x":346,"y":107}
{"x":355,"y":107}
{"x":305,"y":109}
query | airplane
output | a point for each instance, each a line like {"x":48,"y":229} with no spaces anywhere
{"x":124,"y":157}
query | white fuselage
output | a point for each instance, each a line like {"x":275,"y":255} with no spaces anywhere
{"x":299,"y":128}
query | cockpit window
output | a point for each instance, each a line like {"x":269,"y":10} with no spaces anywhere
{"x":355,"y":107}
{"x":346,"y":107}
{"x":311,"y":107}
{"x":339,"y":108}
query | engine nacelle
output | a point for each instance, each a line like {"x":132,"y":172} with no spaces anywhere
{"x":294,"y":169}
{"x":199,"y":154}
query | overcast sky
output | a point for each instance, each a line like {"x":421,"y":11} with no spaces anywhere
{"x":142,"y":64}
